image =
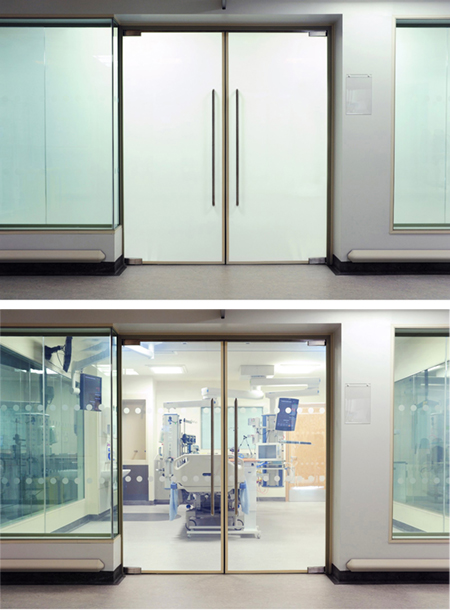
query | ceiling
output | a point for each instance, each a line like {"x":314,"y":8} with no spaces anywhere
{"x":202,"y":360}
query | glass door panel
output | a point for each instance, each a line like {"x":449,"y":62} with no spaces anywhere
{"x":277,"y":147}
{"x":173,"y":147}
{"x":171,"y":414}
{"x":277,"y":402}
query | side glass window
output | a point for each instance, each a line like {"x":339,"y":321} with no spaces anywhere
{"x":421,"y":435}
{"x":59,"y":122}
{"x":422,"y":127}
{"x":58,"y":455}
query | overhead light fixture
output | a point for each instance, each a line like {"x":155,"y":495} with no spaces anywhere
{"x":169,"y":370}
{"x":297,"y":368}
{"x":285,"y":381}
{"x":438,"y":366}
{"x":142,"y":350}
{"x":131,"y":372}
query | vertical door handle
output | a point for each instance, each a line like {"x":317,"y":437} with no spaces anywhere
{"x":212,"y":456}
{"x":213,"y":147}
{"x":237,"y":147}
{"x":236,"y":492}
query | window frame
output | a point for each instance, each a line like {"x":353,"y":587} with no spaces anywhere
{"x":405,"y":21}
{"x":426,"y":538}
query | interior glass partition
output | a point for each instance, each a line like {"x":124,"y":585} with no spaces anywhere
{"x":421,"y":434}
{"x":422,"y":126}
{"x":59,"y":119}
{"x":58,"y":441}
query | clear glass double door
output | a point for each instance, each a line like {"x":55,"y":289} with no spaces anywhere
{"x":225,"y":147}
{"x":191,"y":506}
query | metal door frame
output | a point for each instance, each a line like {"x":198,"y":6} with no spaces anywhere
{"x":224,"y":340}
{"x":137,"y":30}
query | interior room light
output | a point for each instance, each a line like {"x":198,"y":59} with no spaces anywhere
{"x":168,"y":370}
{"x":131,"y":372}
{"x":296,"y":368}
{"x":142,"y":350}
{"x":438,"y":366}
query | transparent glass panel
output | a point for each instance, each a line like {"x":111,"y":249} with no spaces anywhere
{"x":422,"y":128}
{"x":280,"y":80}
{"x":171,"y":82}
{"x":170,"y":390}
{"x":114,"y":435}
{"x":277,"y":521}
{"x":58,"y":156}
{"x":55,"y":421}
{"x":421,"y":436}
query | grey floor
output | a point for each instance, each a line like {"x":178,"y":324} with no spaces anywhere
{"x":227,"y":591}
{"x":227,"y":282}
{"x":292,"y":538}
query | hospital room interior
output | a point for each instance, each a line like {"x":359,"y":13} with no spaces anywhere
{"x":277,"y":396}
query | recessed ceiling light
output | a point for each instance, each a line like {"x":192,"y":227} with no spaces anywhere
{"x":142,"y":350}
{"x":169,"y":370}
{"x":296,"y":368}
{"x":131,"y":372}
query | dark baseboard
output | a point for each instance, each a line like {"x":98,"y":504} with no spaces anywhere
{"x":62,"y":578}
{"x":116,"y":268}
{"x":348,"y":268}
{"x":345,"y":577}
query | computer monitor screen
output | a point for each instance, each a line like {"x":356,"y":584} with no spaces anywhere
{"x":268,"y":451}
{"x":287,"y":414}
{"x":90,"y":392}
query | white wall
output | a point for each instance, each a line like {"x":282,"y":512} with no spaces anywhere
{"x":364,"y":44}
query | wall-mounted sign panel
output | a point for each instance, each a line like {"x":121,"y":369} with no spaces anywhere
{"x":357,"y":403}
{"x":358,"y":94}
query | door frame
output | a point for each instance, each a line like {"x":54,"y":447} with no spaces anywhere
{"x":224,"y":339}
{"x":136,"y":30}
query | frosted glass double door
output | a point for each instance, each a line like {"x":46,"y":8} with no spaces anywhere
{"x":225,"y":147}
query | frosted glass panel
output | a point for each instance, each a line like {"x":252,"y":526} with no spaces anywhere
{"x":79,"y":126}
{"x":168,"y":95}
{"x":57,"y":152}
{"x":282,"y":84}
{"x":22,"y":126}
{"x":422,"y":128}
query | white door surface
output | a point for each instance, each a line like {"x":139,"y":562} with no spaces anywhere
{"x":278,"y":185}
{"x":173,"y":209}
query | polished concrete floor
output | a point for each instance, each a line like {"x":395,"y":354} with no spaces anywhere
{"x":227,"y":591}
{"x":227,"y":282}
